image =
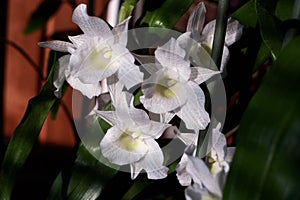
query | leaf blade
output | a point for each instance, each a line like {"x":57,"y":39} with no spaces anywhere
{"x":267,"y":145}
{"x":25,"y":135}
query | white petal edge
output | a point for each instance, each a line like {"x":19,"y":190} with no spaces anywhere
{"x":152,"y":163}
{"x":193,"y":113}
{"x":93,"y":26}
{"x":88,"y":90}
{"x":57,"y":45}
{"x":171,"y":56}
{"x":224,"y":60}
{"x":234,"y":31}
{"x":201,"y":74}
{"x":196,"y":21}
{"x":208,"y":33}
{"x":130,"y":75}
{"x":113,"y":151}
{"x":59,"y":74}
{"x":201,"y":175}
{"x":120,"y":32}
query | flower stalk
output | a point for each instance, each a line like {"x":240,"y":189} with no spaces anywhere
{"x":220,"y":31}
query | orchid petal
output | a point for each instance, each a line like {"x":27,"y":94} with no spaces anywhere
{"x":183,"y":177}
{"x":193,"y":112}
{"x":171,"y":56}
{"x":201,"y":175}
{"x":57,"y":45}
{"x":185,"y":41}
{"x":197,"y":55}
{"x":120,"y":148}
{"x":233,"y":32}
{"x":89,"y":90}
{"x":120,"y":32}
{"x":94,"y":61}
{"x":210,"y":141}
{"x":78,"y":40}
{"x":196,"y":21}
{"x":197,"y":192}
{"x":229,"y":154}
{"x":188,"y":138}
{"x":220,"y":148}
{"x":201,"y":74}
{"x":155,"y":129}
{"x":159,"y":97}
{"x":152,"y":163}
{"x":129,"y":74}
{"x":166,"y":117}
{"x":120,"y":99}
{"x":93,"y":26}
{"x":208,"y":33}
{"x":225,"y":58}
{"x":59,"y":75}
{"x":151,"y":68}
{"x":109,"y":116}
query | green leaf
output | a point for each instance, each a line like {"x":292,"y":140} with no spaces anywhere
{"x":284,"y":9}
{"x":25,"y":135}
{"x":262,"y":56}
{"x":246,"y":15}
{"x":138,"y":186}
{"x":89,"y":176}
{"x":266,"y":164}
{"x":56,"y":189}
{"x":91,"y":170}
{"x":167,"y":14}
{"x":41,"y":15}
{"x":269,"y":26}
{"x":126,"y":9}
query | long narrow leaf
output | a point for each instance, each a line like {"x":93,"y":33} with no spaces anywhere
{"x":266,"y":164}
{"x":25,"y":136}
{"x":89,"y":176}
{"x":246,"y":15}
{"x":269,"y":26}
{"x":167,"y":14}
{"x":56,"y":191}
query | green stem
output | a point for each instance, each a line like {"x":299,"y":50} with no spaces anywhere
{"x":217,"y":51}
{"x":220,"y":31}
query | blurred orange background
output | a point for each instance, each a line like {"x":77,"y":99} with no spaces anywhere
{"x":21,"y":81}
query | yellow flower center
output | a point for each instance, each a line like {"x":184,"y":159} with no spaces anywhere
{"x":207,"y":48}
{"x":99,"y":57}
{"x":128,"y":141}
{"x":163,"y":87}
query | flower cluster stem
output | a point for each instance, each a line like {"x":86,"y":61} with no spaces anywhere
{"x":217,"y":51}
{"x":220,"y":31}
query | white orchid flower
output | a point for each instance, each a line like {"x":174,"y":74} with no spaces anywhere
{"x":208,"y":177}
{"x":205,"y":35}
{"x":193,"y":168}
{"x":173,"y":86}
{"x":95,"y":55}
{"x":131,"y":139}
{"x":220,"y":155}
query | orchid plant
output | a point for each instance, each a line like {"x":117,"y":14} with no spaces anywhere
{"x":172,"y":88}
{"x":157,"y":93}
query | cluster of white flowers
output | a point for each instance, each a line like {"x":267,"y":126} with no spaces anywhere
{"x":172,"y":88}
{"x":208,"y":176}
